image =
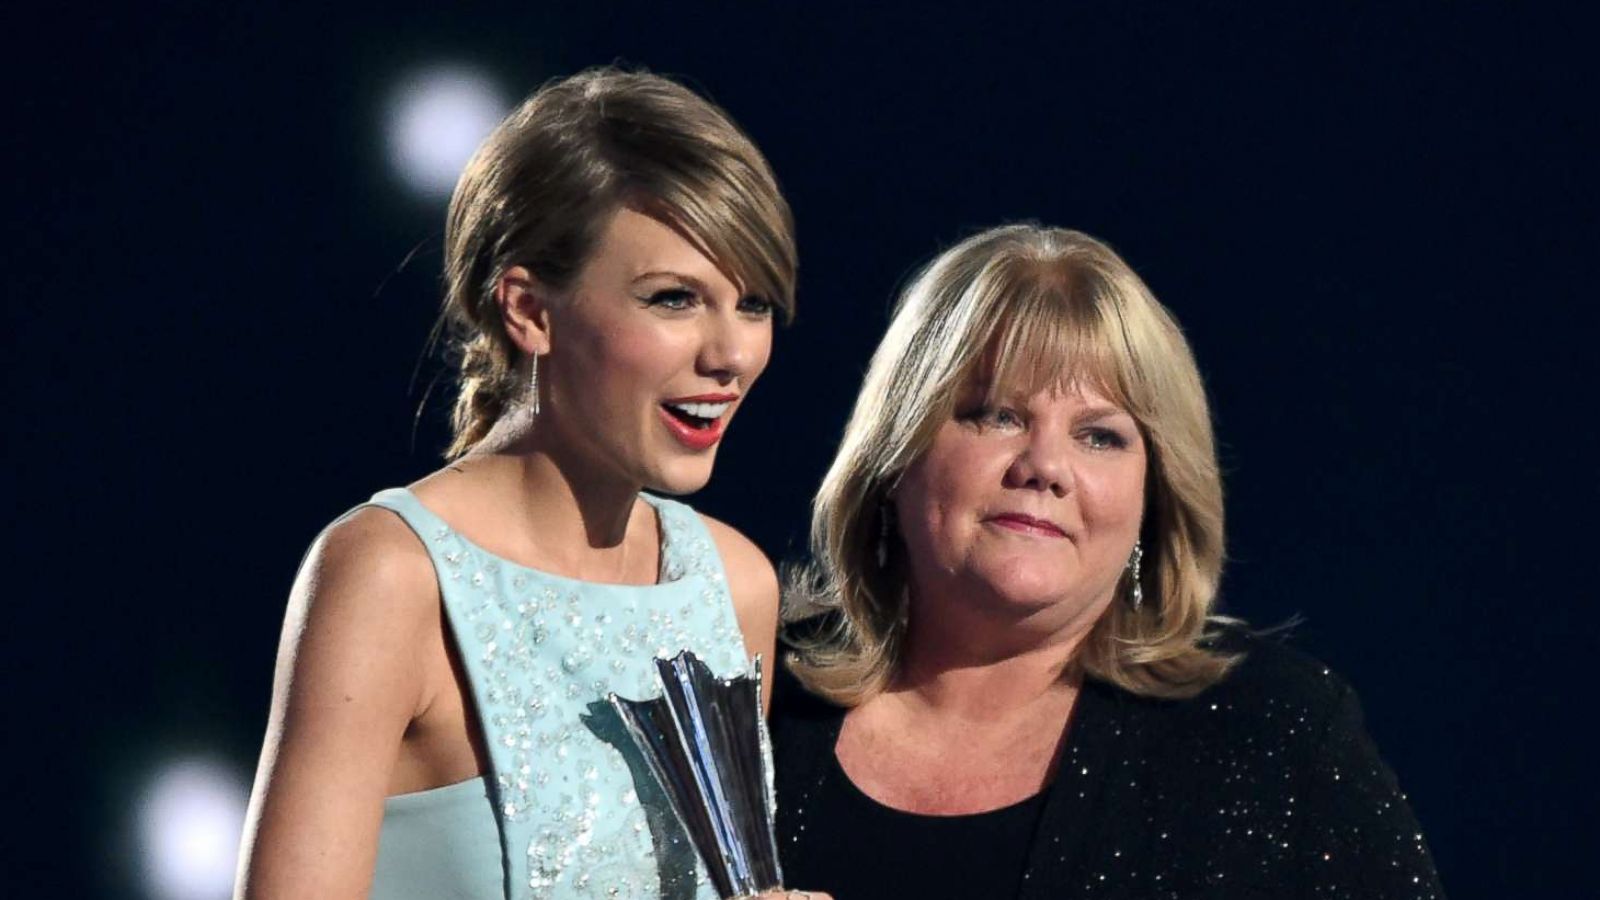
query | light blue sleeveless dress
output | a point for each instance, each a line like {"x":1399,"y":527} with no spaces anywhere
{"x":570,"y":809}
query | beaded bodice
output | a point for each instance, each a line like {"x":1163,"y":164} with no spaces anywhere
{"x":578,"y":813}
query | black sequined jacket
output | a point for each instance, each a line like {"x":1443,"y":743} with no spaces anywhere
{"x":1264,"y":786}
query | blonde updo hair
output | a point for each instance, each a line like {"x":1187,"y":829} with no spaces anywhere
{"x":1021,"y":307}
{"x":540,"y":190}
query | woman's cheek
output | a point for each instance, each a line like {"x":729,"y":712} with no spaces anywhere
{"x":643,"y":351}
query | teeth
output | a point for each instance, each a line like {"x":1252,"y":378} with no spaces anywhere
{"x":702,"y":410}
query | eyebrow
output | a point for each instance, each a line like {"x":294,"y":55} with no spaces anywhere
{"x":1098,"y":413}
{"x":1092,"y":414}
{"x":690,"y":280}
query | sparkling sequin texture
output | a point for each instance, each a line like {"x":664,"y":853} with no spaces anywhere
{"x":579,"y":813}
{"x":1266,"y":785}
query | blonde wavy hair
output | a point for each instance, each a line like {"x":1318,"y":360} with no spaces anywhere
{"x":541,"y":188}
{"x":1036,"y":307}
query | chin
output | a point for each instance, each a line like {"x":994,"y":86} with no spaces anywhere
{"x":1023,"y":588}
{"x":1023,"y":605}
{"x":683,"y":476}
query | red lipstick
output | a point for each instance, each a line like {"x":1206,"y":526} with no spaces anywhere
{"x":690,"y":436}
{"x":698,"y":421}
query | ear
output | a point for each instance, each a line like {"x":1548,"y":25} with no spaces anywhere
{"x":524,"y":304}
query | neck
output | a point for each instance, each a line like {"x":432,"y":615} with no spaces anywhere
{"x":977,"y":665}
{"x":580,"y":514}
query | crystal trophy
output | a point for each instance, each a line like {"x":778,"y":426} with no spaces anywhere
{"x":706,"y":742}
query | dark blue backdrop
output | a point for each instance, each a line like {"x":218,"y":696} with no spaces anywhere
{"x":1372,"y":222}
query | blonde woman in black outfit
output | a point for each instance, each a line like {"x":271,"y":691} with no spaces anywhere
{"x":1017,"y":686}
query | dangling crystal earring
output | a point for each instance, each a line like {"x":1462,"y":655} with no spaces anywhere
{"x":533,"y":389}
{"x":1134,"y":560}
{"x":883,"y":535}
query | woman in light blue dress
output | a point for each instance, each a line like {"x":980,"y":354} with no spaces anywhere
{"x":615,"y":255}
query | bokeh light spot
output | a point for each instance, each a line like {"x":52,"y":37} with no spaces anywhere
{"x":437,"y":118}
{"x":190,"y":820}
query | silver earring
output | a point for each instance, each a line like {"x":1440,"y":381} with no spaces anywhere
{"x":1137,"y":600}
{"x":533,"y":389}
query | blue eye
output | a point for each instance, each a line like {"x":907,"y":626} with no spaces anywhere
{"x":993,"y":417}
{"x":671,"y":298}
{"x":1104,"y":439}
{"x":759,"y":307}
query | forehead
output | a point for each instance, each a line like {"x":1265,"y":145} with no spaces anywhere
{"x":633,"y":246}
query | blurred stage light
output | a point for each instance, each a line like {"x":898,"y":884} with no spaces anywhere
{"x":190,"y":820}
{"x":437,"y":118}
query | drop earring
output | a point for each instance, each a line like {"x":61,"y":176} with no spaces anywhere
{"x":532,"y":403}
{"x":1136,"y":599}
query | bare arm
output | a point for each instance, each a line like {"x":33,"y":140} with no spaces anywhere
{"x":349,"y":680}
{"x":754,"y":586}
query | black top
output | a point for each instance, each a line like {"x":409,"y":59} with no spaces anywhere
{"x":1265,"y":785}
{"x":887,"y":852}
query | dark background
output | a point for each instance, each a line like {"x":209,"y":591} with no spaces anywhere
{"x":1374,"y":222}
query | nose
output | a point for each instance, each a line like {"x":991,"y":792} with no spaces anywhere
{"x":730,"y":349}
{"x":1042,"y":464}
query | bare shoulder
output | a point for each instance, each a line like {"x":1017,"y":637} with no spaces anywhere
{"x":754,"y":587}
{"x":361,"y":620}
{"x":371,"y":558}
{"x":367,"y":581}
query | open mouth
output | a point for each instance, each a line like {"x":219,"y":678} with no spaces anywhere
{"x":698,"y":416}
{"x":696,"y":424}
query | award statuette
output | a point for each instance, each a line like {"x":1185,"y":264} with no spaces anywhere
{"x":706,"y":743}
